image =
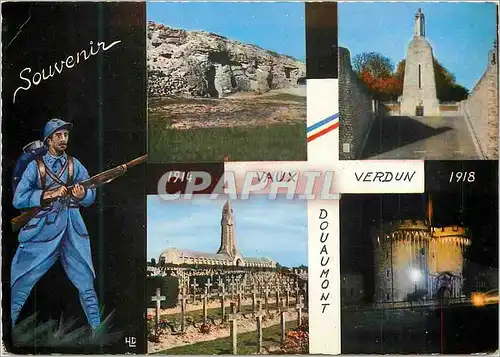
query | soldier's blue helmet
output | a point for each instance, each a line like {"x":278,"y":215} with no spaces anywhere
{"x":53,"y":125}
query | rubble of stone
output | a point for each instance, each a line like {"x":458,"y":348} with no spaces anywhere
{"x":202,"y":64}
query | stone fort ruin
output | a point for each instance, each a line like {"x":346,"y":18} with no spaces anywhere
{"x":201,"y":64}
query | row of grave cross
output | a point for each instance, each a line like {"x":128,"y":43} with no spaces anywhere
{"x":237,"y":289}
{"x":259,"y":314}
{"x":235,"y":311}
{"x":241,"y":279}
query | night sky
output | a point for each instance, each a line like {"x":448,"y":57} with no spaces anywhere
{"x":474,"y":205}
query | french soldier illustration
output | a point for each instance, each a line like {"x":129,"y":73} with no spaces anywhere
{"x":50,"y":185}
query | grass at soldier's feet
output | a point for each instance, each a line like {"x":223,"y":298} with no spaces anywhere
{"x":63,"y":333}
{"x":247,"y":343}
{"x":276,"y":142}
{"x":216,"y":312}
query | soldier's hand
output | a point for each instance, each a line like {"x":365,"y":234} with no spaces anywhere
{"x":61,"y":191}
{"x":54,"y":194}
{"x":78,"y":191}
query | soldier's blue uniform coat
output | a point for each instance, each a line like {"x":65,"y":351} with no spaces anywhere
{"x":57,"y":232}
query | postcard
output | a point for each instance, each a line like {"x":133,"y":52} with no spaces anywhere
{"x":210,"y":178}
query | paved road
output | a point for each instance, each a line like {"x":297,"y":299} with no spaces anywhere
{"x":429,"y":138}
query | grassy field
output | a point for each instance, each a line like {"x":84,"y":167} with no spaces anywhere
{"x":275,"y":142}
{"x":247,"y":343}
{"x":267,"y":129}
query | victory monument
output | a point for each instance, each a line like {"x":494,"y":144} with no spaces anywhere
{"x":419,"y":89}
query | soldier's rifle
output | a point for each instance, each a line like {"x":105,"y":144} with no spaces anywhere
{"x":92,"y":182}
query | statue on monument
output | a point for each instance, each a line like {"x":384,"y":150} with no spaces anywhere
{"x":419,"y":23}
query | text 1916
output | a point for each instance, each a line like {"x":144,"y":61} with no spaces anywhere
{"x":466,"y":176}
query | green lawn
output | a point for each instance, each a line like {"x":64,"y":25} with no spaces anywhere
{"x":277,"y":142}
{"x":247,"y":343}
{"x":216,"y":312}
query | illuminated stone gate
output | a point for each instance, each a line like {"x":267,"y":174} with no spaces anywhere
{"x":414,"y":261}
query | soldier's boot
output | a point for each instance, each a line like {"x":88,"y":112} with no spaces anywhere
{"x":17,"y":303}
{"x":88,"y":299}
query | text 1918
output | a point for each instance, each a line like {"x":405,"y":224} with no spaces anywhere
{"x":466,"y":176}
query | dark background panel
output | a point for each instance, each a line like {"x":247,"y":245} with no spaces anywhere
{"x":454,"y":329}
{"x":105,"y":98}
{"x":438,"y":174}
{"x":321,"y":40}
{"x":473,"y":205}
{"x":175,"y":184}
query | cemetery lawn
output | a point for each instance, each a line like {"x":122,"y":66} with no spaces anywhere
{"x":247,"y":343}
{"x":207,"y":130}
{"x":214,"y":312}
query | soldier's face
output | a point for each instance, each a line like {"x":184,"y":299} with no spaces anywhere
{"x":58,"y":142}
